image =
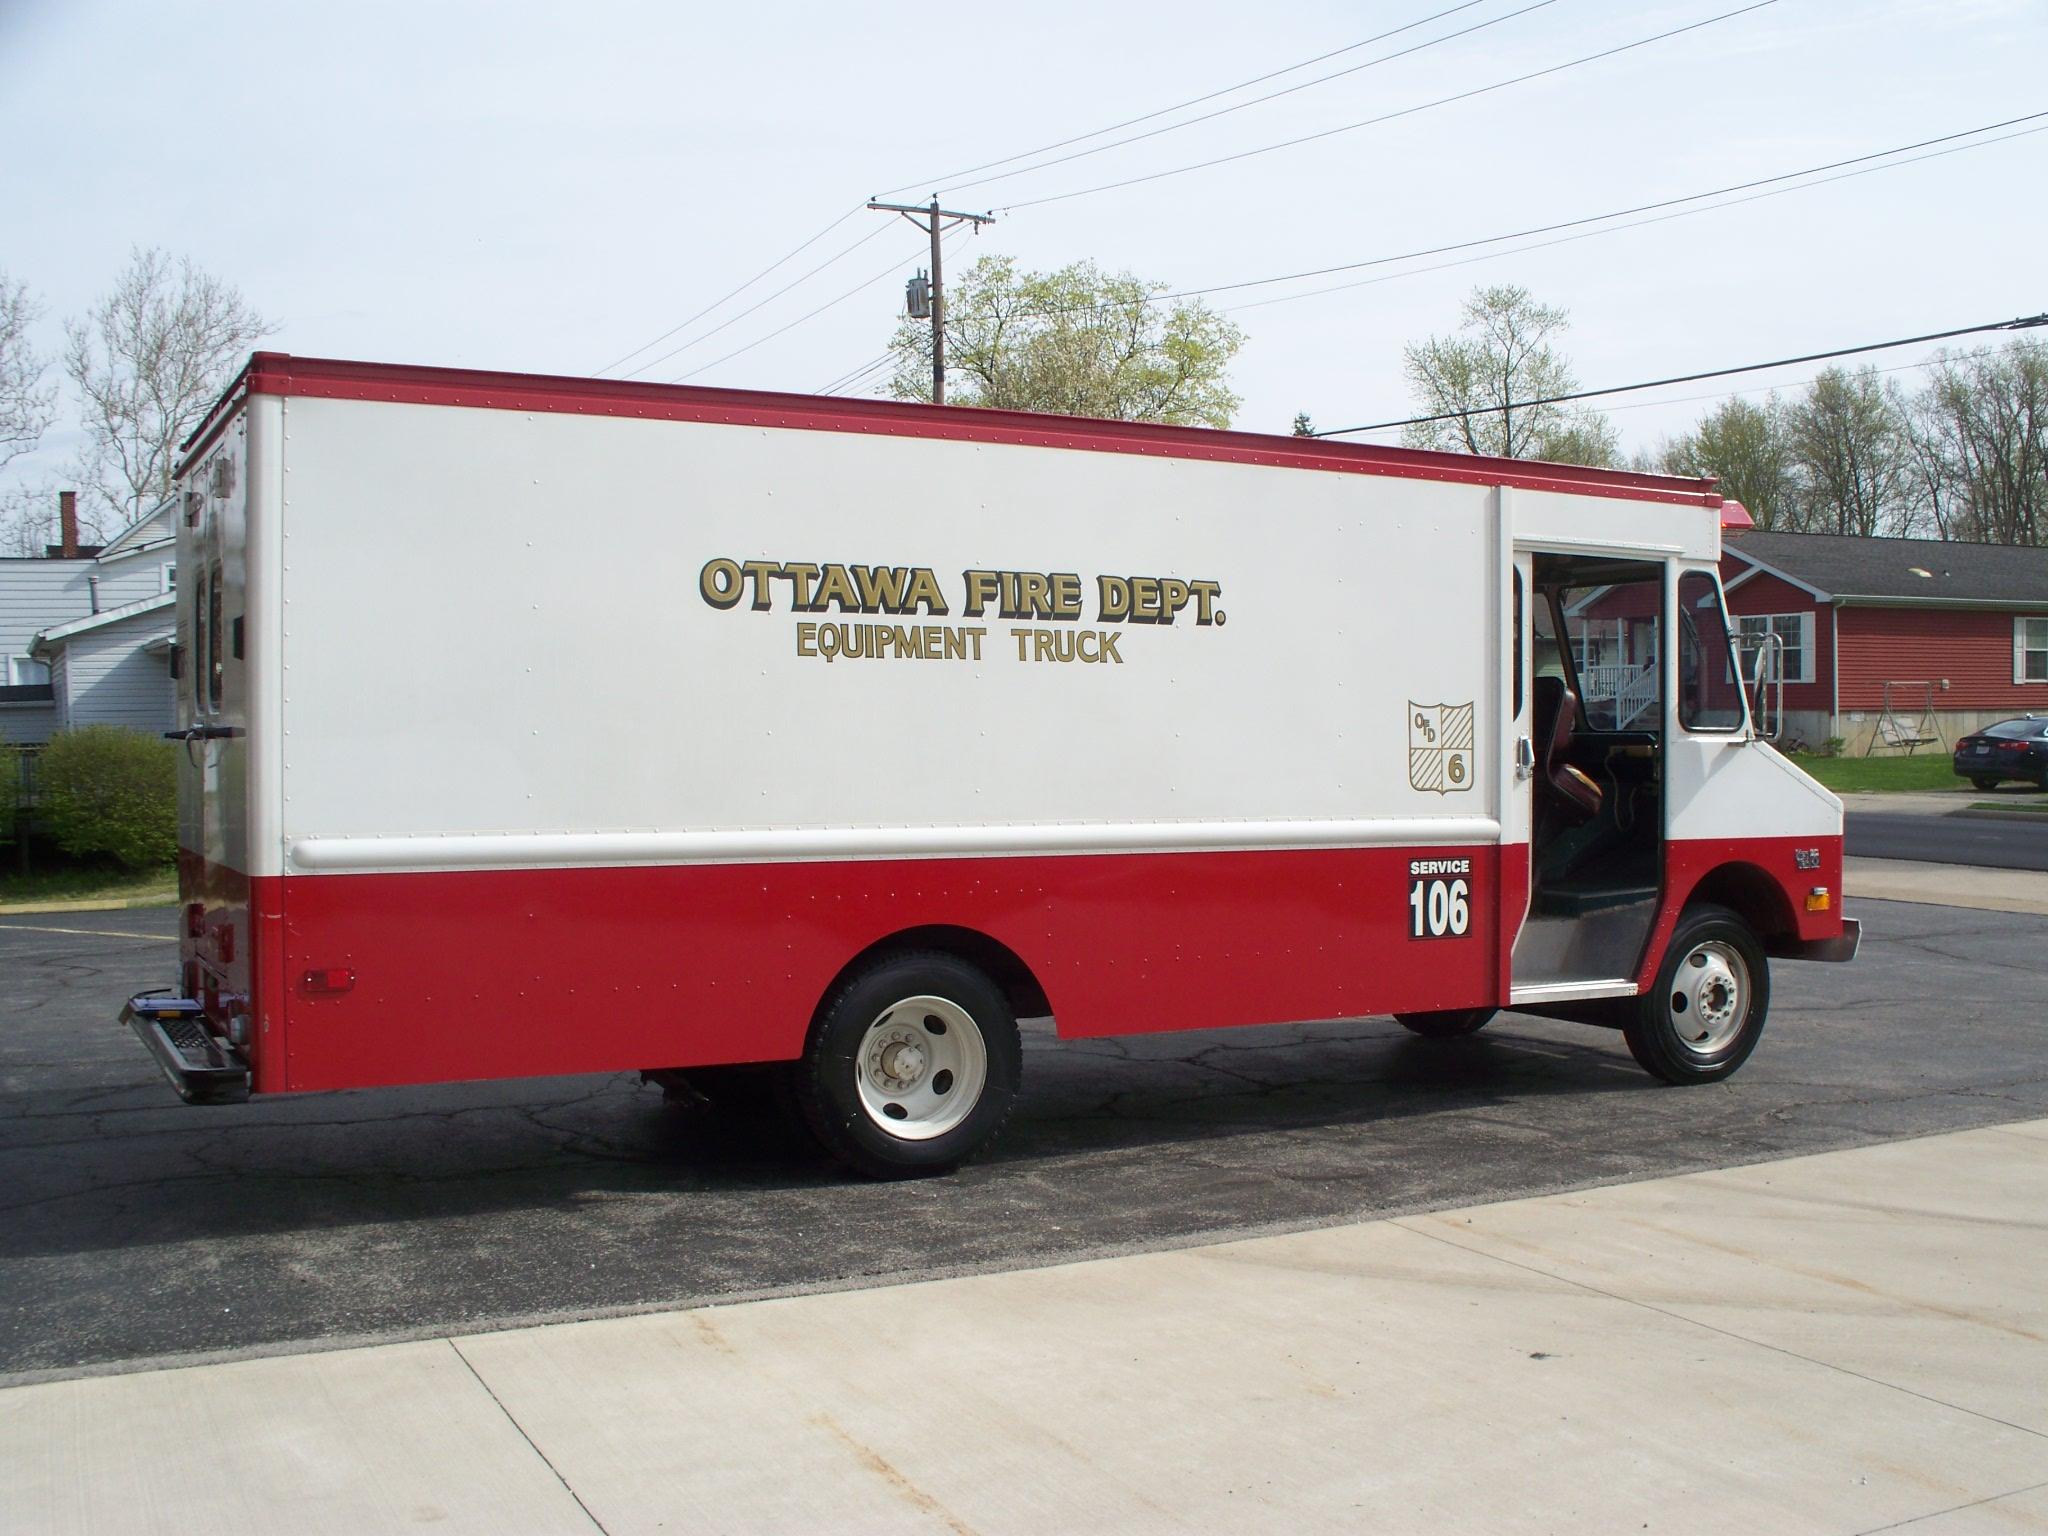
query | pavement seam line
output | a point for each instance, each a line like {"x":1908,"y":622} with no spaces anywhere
{"x":91,"y":933}
{"x":543,"y":1455}
{"x":1936,"y":1514}
{"x":1406,"y":1225}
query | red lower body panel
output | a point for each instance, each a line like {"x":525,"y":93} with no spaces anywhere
{"x":433,"y":977}
{"x":361,"y":980}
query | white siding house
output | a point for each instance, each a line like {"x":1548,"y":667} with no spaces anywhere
{"x":87,"y":641}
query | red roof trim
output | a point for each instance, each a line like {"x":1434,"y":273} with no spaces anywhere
{"x":276,"y":373}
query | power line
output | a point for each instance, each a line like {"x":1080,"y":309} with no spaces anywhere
{"x":733,"y":320}
{"x":866,"y":282}
{"x":743,"y":287}
{"x":2025,"y":322}
{"x":1753,"y":389}
{"x":1387,"y":117}
{"x":1665,"y":218}
{"x":850,"y":374}
{"x":1616,"y":213}
{"x":1194,"y":101}
{"x":1863,"y":160}
{"x":1153,"y":133}
{"x":863,"y":376}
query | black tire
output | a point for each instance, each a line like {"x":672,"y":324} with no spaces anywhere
{"x":1448,"y":1023}
{"x":1706,"y":1011}
{"x":1982,"y":782}
{"x":853,"y":1105}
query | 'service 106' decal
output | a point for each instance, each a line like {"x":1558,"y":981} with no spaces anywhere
{"x":1439,"y":898}
{"x":1045,"y":599}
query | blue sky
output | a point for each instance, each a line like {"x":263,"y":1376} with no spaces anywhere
{"x":545,"y":188}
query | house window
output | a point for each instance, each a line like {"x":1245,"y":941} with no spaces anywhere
{"x":1794,"y":631}
{"x":2030,"y":650}
{"x":170,"y":573}
{"x":27,"y":672}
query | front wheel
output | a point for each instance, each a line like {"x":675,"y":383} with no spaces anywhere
{"x":1705,"y":1012}
{"x":911,"y":1067}
{"x":1448,"y":1023}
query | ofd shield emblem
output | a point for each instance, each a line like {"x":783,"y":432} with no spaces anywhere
{"x":1440,"y":747}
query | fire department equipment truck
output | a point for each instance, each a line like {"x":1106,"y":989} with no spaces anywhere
{"x":540,"y":725}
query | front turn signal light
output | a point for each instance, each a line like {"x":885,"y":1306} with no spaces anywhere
{"x":1817,"y":899}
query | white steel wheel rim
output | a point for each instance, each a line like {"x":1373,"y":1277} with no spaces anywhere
{"x":1709,"y":999}
{"x":921,"y":1067}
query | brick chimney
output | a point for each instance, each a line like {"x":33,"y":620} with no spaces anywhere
{"x":67,"y":525}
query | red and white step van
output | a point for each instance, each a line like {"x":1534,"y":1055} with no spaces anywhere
{"x":545,"y":725}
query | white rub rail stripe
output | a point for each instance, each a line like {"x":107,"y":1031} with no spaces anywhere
{"x":570,"y":849}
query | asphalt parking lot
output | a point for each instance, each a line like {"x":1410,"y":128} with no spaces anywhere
{"x":133,"y":1227}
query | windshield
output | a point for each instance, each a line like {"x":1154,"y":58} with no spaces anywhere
{"x":2017,"y":729}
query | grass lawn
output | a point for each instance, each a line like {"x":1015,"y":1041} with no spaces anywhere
{"x":52,"y":881}
{"x":1924,"y":770}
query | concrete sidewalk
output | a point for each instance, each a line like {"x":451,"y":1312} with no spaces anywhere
{"x":1838,"y":1343}
{"x":1946,"y":885}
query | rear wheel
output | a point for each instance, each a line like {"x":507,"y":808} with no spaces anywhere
{"x":1705,"y":1013}
{"x":1447,"y":1023}
{"x":911,"y":1067}
{"x":1984,"y":781}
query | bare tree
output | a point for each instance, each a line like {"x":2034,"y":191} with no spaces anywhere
{"x":1848,"y":443}
{"x":1979,"y":443}
{"x":1746,"y":446}
{"x":147,"y":361}
{"x":26,"y":402}
{"x":1479,"y":378}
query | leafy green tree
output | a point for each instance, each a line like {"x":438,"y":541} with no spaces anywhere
{"x":109,"y":790}
{"x":1747,"y":447}
{"x":1077,"y":341}
{"x":1502,"y":355}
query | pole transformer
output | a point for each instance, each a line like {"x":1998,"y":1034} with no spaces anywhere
{"x":935,"y":220}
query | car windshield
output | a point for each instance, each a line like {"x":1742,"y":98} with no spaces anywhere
{"x":2016,"y":729}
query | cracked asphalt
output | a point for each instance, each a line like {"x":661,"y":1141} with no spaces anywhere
{"x":133,"y":1227}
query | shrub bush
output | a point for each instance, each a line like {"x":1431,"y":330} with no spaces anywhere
{"x":110,"y":790}
{"x":10,"y":792}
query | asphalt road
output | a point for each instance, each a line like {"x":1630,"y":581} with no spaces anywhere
{"x":2004,"y":842}
{"x":132,"y":1226}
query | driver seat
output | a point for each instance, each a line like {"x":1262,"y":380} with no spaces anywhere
{"x":1568,"y":786}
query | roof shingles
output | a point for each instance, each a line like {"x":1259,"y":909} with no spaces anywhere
{"x":1853,"y":569}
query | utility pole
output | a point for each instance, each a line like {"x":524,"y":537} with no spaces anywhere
{"x":937,"y":220}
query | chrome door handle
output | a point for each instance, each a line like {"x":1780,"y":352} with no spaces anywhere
{"x":1525,"y":758}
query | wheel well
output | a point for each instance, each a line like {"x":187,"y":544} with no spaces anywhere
{"x":1752,"y":896}
{"x":1002,"y":964}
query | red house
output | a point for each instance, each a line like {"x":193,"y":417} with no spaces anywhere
{"x":1891,"y":640}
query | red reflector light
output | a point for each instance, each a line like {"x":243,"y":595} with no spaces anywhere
{"x":334,"y":978}
{"x":195,"y":919}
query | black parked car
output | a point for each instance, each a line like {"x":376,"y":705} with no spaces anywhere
{"x":2011,"y":749}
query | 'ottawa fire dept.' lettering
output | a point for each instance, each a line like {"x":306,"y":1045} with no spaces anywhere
{"x":1048,"y":597}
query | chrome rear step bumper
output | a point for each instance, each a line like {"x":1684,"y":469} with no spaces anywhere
{"x":204,"y":1068}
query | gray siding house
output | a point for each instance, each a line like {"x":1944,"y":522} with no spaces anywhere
{"x":85,"y":639}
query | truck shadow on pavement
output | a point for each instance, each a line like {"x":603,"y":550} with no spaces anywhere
{"x":114,"y":1166}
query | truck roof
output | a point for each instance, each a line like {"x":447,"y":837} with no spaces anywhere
{"x":280,"y":373}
